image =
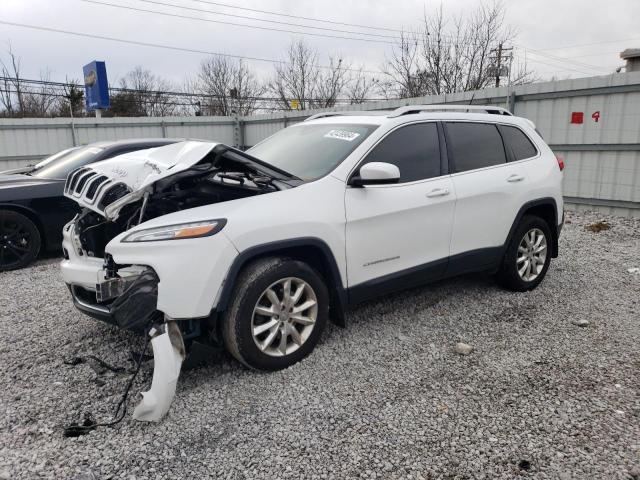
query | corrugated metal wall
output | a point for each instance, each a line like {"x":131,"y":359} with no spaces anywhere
{"x":602,"y":157}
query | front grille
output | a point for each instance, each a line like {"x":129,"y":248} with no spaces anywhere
{"x":83,"y":181}
{"x":93,"y":188}
{"x":115,"y":192}
{"x":72,"y":179}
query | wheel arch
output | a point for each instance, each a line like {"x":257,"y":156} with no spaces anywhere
{"x":31,"y":215}
{"x":545,"y":208}
{"x":310,"y":250}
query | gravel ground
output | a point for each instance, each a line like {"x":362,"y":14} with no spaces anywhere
{"x":388,"y":397}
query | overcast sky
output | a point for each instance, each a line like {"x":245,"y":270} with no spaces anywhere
{"x":547,"y":28}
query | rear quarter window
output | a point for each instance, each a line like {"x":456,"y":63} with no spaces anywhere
{"x":518,"y":142}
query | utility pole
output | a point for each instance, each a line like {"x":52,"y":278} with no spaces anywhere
{"x":499,"y":58}
{"x":498,"y":64}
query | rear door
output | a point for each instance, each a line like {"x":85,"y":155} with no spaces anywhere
{"x":401,"y":232}
{"x":489,"y":191}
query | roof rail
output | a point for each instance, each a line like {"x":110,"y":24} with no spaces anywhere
{"x":347,"y":113}
{"x":443,"y":108}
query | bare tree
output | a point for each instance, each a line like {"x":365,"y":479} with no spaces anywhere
{"x":227,"y":87}
{"x":70,"y":104}
{"x":144,"y":94}
{"x":451,"y":54}
{"x":405,"y":72}
{"x":360,"y":86}
{"x":296,"y":78}
{"x":331,"y":82}
{"x":11,"y":95}
{"x":299,"y":81}
{"x":18,"y":100}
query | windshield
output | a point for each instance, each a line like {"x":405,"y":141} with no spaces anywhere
{"x":59,"y":167}
{"x":53,"y":157}
{"x":311,"y":151}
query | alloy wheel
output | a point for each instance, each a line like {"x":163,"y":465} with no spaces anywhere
{"x":15,"y":243}
{"x":532,"y":254}
{"x":284,"y":316}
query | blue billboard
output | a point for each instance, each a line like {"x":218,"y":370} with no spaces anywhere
{"x":96,"y":87}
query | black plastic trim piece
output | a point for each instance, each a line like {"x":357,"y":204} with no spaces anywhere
{"x":409,"y":278}
{"x":481,"y":260}
{"x":536,"y":203}
{"x":444,"y":162}
{"x":336,"y":286}
{"x":357,"y":181}
{"x":129,"y":311}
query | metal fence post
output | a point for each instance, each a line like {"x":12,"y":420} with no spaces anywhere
{"x":511,"y":102}
{"x":164,"y":129}
{"x":73,"y":133}
{"x":236,"y":131}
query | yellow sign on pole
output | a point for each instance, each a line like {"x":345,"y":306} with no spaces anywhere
{"x":295,"y":104}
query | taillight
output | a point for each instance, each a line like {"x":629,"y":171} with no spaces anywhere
{"x":560,"y":162}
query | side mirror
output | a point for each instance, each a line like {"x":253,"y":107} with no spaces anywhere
{"x":376,"y":173}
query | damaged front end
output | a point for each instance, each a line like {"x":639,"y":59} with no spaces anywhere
{"x":127,"y":299}
{"x":128,"y":276}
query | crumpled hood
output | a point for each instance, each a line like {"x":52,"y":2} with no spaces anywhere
{"x":103,"y":183}
{"x":143,"y":167}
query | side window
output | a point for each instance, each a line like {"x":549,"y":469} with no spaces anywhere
{"x":518,"y":142}
{"x":474,"y":145}
{"x":414,"y":149}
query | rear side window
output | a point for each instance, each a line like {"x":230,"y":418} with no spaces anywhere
{"x":474,"y":145}
{"x":414,"y":149}
{"x":518,"y":142}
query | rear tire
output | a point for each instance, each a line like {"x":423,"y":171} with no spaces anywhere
{"x":19,"y":240}
{"x":528,"y":255}
{"x":266,"y":328}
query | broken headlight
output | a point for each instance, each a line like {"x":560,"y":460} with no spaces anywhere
{"x":177,"y":232}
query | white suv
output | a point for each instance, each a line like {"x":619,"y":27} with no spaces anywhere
{"x":256,"y":251}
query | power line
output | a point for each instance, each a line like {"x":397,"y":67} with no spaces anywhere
{"x":154,"y":2}
{"x":299,"y":16}
{"x":565,"y":68}
{"x":167,"y":47}
{"x":562,"y":59}
{"x":588,"y":44}
{"x":157,"y":93}
{"x":176,"y":15}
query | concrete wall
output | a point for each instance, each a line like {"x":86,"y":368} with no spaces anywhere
{"x":602,"y":157}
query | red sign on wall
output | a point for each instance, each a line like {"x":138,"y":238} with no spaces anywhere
{"x":577,"y":117}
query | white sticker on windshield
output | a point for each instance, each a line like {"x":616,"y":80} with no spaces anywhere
{"x":342,"y":135}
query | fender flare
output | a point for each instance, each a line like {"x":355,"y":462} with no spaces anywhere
{"x":550,"y":201}
{"x":334,"y":282}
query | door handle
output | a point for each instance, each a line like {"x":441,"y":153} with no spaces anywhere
{"x":438,"y":192}
{"x":515,"y":178}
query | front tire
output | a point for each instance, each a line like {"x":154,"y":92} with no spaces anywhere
{"x":278,"y":311}
{"x":528,"y":255}
{"x":19,"y":240}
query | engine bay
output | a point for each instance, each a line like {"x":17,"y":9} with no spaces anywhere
{"x":217,"y":178}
